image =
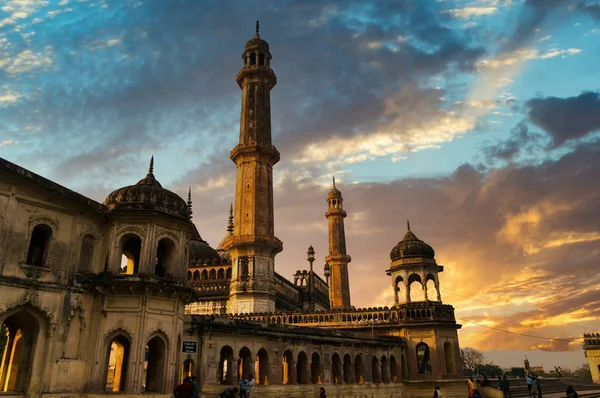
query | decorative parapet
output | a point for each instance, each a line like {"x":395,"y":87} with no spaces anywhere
{"x":591,"y":341}
{"x":361,"y":317}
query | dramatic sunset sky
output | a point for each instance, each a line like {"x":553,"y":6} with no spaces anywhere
{"x":477,"y":120}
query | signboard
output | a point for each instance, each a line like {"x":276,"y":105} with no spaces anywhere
{"x":189,"y":347}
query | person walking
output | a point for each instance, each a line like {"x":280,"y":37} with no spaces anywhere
{"x":195,"y":387}
{"x":529,"y":381}
{"x":250,"y":386}
{"x":322,"y":392}
{"x":437,"y":393}
{"x":538,"y":385}
{"x":184,"y":390}
{"x":243,"y":387}
{"x":506,"y":387}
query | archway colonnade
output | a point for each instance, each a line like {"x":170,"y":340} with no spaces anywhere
{"x":307,"y":367}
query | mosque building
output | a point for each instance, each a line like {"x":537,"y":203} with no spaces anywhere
{"x":125,"y":297}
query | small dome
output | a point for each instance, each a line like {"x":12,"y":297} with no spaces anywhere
{"x":202,"y":253}
{"x":224,"y":254}
{"x":334,"y":193}
{"x":411,"y":246}
{"x":148,"y":194}
{"x":256,"y":42}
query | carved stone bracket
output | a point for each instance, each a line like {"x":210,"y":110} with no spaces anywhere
{"x":34,"y":271}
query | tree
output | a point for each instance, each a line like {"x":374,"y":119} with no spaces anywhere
{"x":583,"y":372}
{"x":471,"y":358}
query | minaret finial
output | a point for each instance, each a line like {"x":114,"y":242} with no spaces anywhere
{"x":151,"y":168}
{"x":408,"y":224}
{"x":230,"y":221}
{"x":257,"y":27}
{"x":334,"y":181}
{"x":189,"y":201}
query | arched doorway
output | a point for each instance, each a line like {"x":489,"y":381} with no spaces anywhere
{"x":154,"y":365}
{"x":245,"y":365}
{"x":393,"y":369}
{"x":302,"y":368}
{"x":359,"y":370}
{"x":262,"y":367}
{"x":117,"y":360}
{"x":187,"y":369}
{"x":385,"y":375}
{"x":165,"y":255}
{"x":315,"y":368}
{"x":22,"y":331}
{"x":336,"y":369}
{"x":375,"y":370}
{"x":225,"y":370}
{"x":348,"y":375}
{"x":288,"y":366}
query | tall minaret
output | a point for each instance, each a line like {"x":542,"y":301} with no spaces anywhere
{"x":339,"y":287}
{"x":253,"y":245}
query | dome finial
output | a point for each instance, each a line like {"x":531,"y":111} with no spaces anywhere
{"x":334,"y":181}
{"x":189,"y":201}
{"x":257,"y":28}
{"x":151,"y":168}
{"x":230,"y":220}
{"x":408,"y":224}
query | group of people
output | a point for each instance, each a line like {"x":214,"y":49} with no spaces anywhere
{"x":535,"y":390}
{"x":246,"y":389}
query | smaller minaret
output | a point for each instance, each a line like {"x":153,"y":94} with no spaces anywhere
{"x":230,"y":220}
{"x":189,"y":202}
{"x":338,"y":259}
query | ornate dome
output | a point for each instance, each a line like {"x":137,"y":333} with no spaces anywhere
{"x":411,"y":246}
{"x":256,"y":41}
{"x":334,"y":193}
{"x":202,"y":253}
{"x":148,"y":194}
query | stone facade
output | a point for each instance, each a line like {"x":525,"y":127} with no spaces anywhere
{"x":124,"y":297}
{"x":591,"y":346}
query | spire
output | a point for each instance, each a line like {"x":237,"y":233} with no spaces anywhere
{"x":189,"y":201}
{"x":151,"y":168}
{"x":230,"y":221}
{"x":334,"y":181}
{"x":408,"y":224}
{"x":257,"y":28}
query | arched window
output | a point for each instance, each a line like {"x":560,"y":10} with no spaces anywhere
{"x":204,"y":276}
{"x":131,"y":246}
{"x":423,"y":358}
{"x":165,"y":257}
{"x":385,"y":367}
{"x":225,"y":370}
{"x":252,"y":58}
{"x":348,"y":375}
{"x":359,"y":370}
{"x":155,"y":361}
{"x":245,"y":365}
{"x":262,"y":366}
{"x":336,"y":369}
{"x":449,"y":357}
{"x":302,"y":368}
{"x":117,"y":359}
{"x":315,"y":369}
{"x":416,"y":288}
{"x":394,"y":369}
{"x":431,"y":290}
{"x":213,"y":274}
{"x":228,"y":273}
{"x":86,"y":254}
{"x":39,"y":245}
{"x":189,"y":276}
{"x":288,"y":366}
{"x":375,"y":370}
{"x":221,"y":274}
{"x":261,"y":59}
{"x":22,"y":331}
{"x":196,"y":276}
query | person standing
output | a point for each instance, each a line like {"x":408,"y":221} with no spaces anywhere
{"x":437,"y":392}
{"x":322,"y":392}
{"x":529,"y":383}
{"x":538,"y":384}
{"x":243,"y":387}
{"x":506,"y":387}
{"x":500,"y":382}
{"x":184,"y":390}
{"x":195,"y":387}
{"x":250,"y":386}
